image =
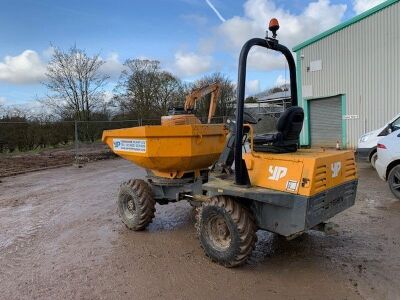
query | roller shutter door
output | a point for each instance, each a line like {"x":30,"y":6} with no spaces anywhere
{"x":326,"y":121}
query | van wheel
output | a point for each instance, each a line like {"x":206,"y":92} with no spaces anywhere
{"x":394,"y":181}
{"x":226,"y":230}
{"x":373,"y":159}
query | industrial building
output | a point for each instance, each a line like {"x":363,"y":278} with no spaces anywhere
{"x":349,"y":77}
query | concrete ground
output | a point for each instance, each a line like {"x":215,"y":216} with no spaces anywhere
{"x":61,"y":237}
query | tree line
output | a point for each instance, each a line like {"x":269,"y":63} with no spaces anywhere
{"x":76,"y":91}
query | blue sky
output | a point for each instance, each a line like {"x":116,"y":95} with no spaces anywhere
{"x":187,"y":36}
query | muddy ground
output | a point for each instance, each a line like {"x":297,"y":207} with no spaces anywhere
{"x":61,"y":237}
{"x":19,"y":163}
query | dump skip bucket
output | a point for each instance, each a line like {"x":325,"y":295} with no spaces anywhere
{"x":169,"y":151}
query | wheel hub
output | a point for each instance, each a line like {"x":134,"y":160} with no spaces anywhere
{"x":131,"y":205}
{"x":219,"y":232}
{"x":396,"y":181}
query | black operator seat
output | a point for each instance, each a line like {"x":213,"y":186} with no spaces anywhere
{"x":286,"y":139}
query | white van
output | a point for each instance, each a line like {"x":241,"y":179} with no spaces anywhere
{"x":366,"y":148}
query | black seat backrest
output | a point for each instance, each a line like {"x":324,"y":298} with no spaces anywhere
{"x":290,"y":123}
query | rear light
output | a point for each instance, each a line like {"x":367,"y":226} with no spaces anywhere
{"x":381,"y":146}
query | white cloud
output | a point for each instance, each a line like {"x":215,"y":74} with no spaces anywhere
{"x":253,"y":87}
{"x":191,"y":64}
{"x":108,"y":96}
{"x":24,"y":68}
{"x":31,"y":109}
{"x":260,"y":59}
{"x":280,"y":80}
{"x":29,"y":67}
{"x":360,"y":6}
{"x":207,"y":45}
{"x":112,"y":66}
{"x":236,"y":31}
{"x":295,"y":28}
{"x":48,"y":53}
{"x":3,"y":100}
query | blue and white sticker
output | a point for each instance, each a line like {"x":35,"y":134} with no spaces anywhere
{"x":129,"y":145}
{"x":292,"y":185}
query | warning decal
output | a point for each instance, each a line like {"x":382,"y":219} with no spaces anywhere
{"x":129,"y":145}
{"x":291,"y":185}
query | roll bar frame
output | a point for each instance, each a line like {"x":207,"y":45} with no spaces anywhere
{"x":241,"y":176}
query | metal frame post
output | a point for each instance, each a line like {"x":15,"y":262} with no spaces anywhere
{"x":76,"y":140}
{"x":240,"y":169}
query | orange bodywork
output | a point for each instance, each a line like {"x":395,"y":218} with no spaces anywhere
{"x":169,"y":151}
{"x":305,"y":172}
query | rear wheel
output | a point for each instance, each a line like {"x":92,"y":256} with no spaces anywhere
{"x":136,"y":204}
{"x":394,"y":181}
{"x":226,"y":230}
{"x":373,"y":159}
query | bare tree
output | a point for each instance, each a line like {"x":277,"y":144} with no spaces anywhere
{"x":2,"y":110}
{"x":170,"y":91}
{"x":278,"y":88}
{"x":17,"y":111}
{"x":145,"y":90}
{"x":75,"y":83}
{"x":250,"y":99}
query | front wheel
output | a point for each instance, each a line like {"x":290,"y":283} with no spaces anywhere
{"x":226,"y":230}
{"x":394,"y":181}
{"x":136,"y":204}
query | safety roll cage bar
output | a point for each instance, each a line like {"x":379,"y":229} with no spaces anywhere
{"x":241,"y":176}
